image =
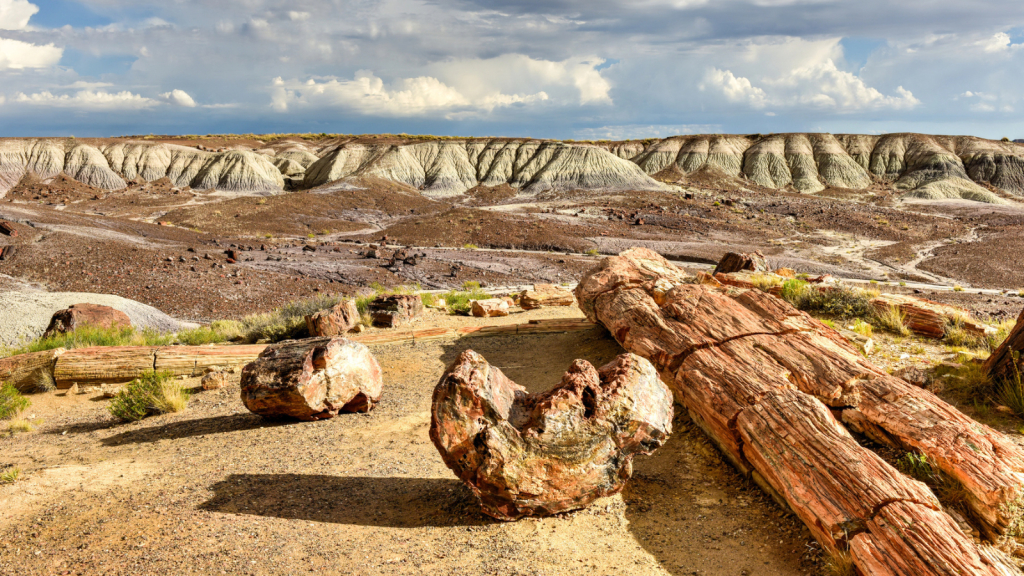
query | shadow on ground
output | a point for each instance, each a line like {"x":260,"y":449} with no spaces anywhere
{"x":197,"y":427}
{"x":357,"y":500}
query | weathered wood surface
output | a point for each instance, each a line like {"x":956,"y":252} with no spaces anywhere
{"x":1001,"y":365}
{"x":765,"y":381}
{"x":103,"y":365}
{"x":27,"y":371}
{"x":928,"y":318}
{"x":545,"y":295}
{"x":197,"y":360}
{"x":312,"y":379}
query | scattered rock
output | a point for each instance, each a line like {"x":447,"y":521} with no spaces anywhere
{"x":214,"y":380}
{"x":490,"y":308}
{"x":78,"y":315}
{"x":395,"y":310}
{"x":545,"y":295}
{"x":109,"y":390}
{"x":540,"y":454}
{"x":312,"y":379}
{"x":335,"y":321}
{"x":738,"y":262}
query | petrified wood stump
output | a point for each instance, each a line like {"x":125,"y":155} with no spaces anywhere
{"x":773,"y":387}
{"x":334,"y":321}
{"x":1007,"y":362}
{"x":540,"y":454}
{"x":738,"y":262}
{"x":312,"y":379}
{"x":396,"y":310}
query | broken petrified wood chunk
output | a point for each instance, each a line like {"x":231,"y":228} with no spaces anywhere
{"x":7,"y":252}
{"x":78,"y":315}
{"x":395,"y":310}
{"x":1007,"y":362}
{"x":334,"y":321}
{"x":490,"y":308}
{"x":545,"y":295}
{"x":538,"y":454}
{"x":738,"y":262}
{"x":312,"y":379}
{"x":7,"y":230}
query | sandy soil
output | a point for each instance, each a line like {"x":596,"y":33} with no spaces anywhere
{"x":216,"y":489}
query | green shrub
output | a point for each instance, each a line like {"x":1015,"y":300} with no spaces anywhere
{"x":841,"y":301}
{"x":956,"y":335}
{"x":152,"y":393}
{"x":287,"y":322}
{"x":86,"y":336}
{"x":12,"y":402}
{"x":10,"y":475}
{"x":470,"y":246}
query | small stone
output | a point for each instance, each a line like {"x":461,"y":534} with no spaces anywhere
{"x":214,"y":380}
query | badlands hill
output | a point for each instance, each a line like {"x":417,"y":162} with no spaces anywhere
{"x":918,"y":166}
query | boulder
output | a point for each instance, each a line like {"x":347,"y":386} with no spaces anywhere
{"x":738,"y":262}
{"x":214,"y":380}
{"x":312,"y":379}
{"x":545,"y":295}
{"x":540,"y":454}
{"x":490,"y":308}
{"x":79,"y":315}
{"x":335,"y":321}
{"x":396,"y":310}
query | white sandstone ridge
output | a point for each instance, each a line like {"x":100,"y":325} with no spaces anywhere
{"x":109,"y":166}
{"x":450,"y":167}
{"x":933,"y":167}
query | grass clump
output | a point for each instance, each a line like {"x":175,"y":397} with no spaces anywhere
{"x":863,"y":328}
{"x":470,"y":246}
{"x":19,"y":425}
{"x":955,"y":334}
{"x":949,"y":491}
{"x":219,"y":331}
{"x":1010,"y":391}
{"x":153,"y":393}
{"x":840,"y":301}
{"x":459,"y":301}
{"x":838,"y":564}
{"x":287,"y":322}
{"x":9,"y":475}
{"x":893,"y":319}
{"x":765,"y":282}
{"x":12,"y":402}
{"x":593,"y":252}
{"x":86,"y":336}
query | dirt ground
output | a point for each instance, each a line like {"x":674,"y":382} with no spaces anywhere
{"x":215,"y":489}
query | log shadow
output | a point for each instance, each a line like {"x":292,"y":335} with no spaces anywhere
{"x":356,"y":500}
{"x":196,"y":427}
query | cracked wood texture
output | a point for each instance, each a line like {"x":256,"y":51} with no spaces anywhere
{"x":773,"y":389}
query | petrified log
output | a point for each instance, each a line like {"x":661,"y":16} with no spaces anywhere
{"x":929,"y":318}
{"x":103,"y":365}
{"x":312,"y":379}
{"x":7,"y":229}
{"x":1007,"y":362}
{"x":541,"y":454}
{"x":490,"y":308}
{"x":766,"y":383}
{"x":78,"y":315}
{"x":738,"y":262}
{"x":8,"y":252}
{"x":395,"y":310}
{"x":334,"y":321}
{"x":197,"y":360}
{"x":30,"y":372}
{"x":545,"y":295}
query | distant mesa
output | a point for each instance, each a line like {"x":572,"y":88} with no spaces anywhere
{"x":923,"y":166}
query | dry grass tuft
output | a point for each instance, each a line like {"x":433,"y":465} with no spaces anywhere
{"x":12,"y":402}
{"x":893,"y":319}
{"x":19,"y":425}
{"x":838,"y":564}
{"x":153,"y":393}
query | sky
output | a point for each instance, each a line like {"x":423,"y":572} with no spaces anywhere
{"x":567,"y":69}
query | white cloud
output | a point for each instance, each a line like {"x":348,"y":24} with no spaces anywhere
{"x":298,"y":16}
{"x":367,"y":94}
{"x":87,"y":100}
{"x":574,"y":79}
{"x":17,"y":55}
{"x":735,"y":89}
{"x":999,"y":42}
{"x":15,"y":14}
{"x":640,"y":131}
{"x":178,"y":98}
{"x":821,"y":86}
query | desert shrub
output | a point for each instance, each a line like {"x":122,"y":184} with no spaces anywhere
{"x":840,"y":301}
{"x":219,"y":331}
{"x":152,"y":393}
{"x":956,"y":335}
{"x":470,"y":246}
{"x":765,"y":282}
{"x":86,"y":336}
{"x":12,"y":402}
{"x":838,"y":564}
{"x":893,"y":319}
{"x":287,"y":322}
{"x":9,"y":475}
{"x":593,"y":252}
{"x":863,"y":328}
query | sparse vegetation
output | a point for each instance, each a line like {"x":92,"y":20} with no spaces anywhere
{"x":838,"y":564}
{"x":863,"y":328}
{"x":593,"y":252}
{"x":94,"y":336}
{"x":19,"y":425}
{"x":288,"y":321}
{"x":219,"y":331}
{"x":10,"y":475}
{"x":764,"y":282}
{"x":1010,"y":391}
{"x":470,"y":246}
{"x":12,"y":402}
{"x":893,"y":319}
{"x":153,"y":393}
{"x":840,"y":301}
{"x":949,"y":491}
{"x":958,"y":288}
{"x":957,"y":335}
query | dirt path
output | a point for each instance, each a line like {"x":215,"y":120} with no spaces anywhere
{"x":217,"y":490}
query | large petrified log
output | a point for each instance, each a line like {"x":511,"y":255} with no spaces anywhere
{"x":103,"y":365}
{"x":1007,"y":362}
{"x":767,"y":383}
{"x":312,"y":379}
{"x":540,"y":454}
{"x":929,"y":318}
{"x":30,"y":372}
{"x":78,"y":315}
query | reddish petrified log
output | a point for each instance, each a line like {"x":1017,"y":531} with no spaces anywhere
{"x":766,"y":382}
{"x":334,"y":321}
{"x":541,"y":454}
{"x":8,"y":230}
{"x":78,"y":315}
{"x":1007,"y":362}
{"x":737,"y":262}
{"x":396,"y":310}
{"x":312,"y":379}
